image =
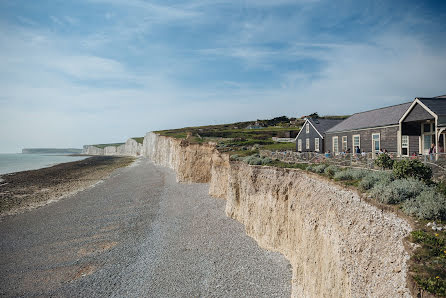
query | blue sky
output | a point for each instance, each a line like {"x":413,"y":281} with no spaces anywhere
{"x":96,"y":71}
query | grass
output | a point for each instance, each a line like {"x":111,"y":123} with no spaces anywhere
{"x":285,"y":165}
{"x":139,"y":140}
{"x":280,"y":146}
{"x":428,"y":263}
{"x":102,"y":146}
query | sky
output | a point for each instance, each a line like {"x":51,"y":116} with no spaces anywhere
{"x":77,"y":72}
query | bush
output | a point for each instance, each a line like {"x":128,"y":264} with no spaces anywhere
{"x":406,"y":168}
{"x":253,"y":159}
{"x":350,"y":174}
{"x":266,"y":160}
{"x":234,"y":157}
{"x":317,"y":168}
{"x":397,"y":191}
{"x":331,"y":170}
{"x":372,"y":177}
{"x":429,"y":204}
{"x":384,"y":161}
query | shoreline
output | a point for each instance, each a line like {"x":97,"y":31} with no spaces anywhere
{"x":27,"y":190}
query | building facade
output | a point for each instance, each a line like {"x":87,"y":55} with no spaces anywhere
{"x":311,"y":135}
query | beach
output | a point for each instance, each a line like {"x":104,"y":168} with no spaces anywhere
{"x":22,"y":191}
{"x":139,"y":233}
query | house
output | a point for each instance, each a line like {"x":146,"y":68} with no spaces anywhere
{"x":370,"y":131}
{"x":423,"y":123}
{"x":312,"y":134}
{"x":402,"y":129}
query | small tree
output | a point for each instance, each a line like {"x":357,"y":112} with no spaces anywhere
{"x":406,"y":168}
{"x":384,"y":161}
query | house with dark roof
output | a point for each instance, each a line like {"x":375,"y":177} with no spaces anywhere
{"x":369,"y":131}
{"x":312,"y":134}
{"x":425,"y":122}
{"x":403,"y":129}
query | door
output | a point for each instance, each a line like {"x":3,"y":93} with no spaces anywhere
{"x":376,"y":145}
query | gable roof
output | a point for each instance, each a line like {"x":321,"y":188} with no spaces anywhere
{"x":436,"y":105}
{"x":322,"y":125}
{"x":373,"y":118}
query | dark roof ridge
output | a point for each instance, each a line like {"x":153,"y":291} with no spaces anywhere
{"x":404,"y":103}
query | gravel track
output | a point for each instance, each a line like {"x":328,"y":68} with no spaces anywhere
{"x":137,"y":234}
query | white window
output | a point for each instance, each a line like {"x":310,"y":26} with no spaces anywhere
{"x":307,"y":143}
{"x":307,"y":128}
{"x":299,"y":145}
{"x":405,"y":145}
{"x":376,"y":142}
{"x":316,"y":144}
{"x":335,"y":145}
{"x":344,"y":143}
{"x":356,"y":142}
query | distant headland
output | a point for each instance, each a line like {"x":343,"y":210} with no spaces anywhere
{"x":51,"y":151}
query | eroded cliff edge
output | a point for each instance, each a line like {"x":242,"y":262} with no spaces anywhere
{"x":337,"y":244}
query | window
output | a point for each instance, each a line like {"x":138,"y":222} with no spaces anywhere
{"x":316,"y":144}
{"x":335,"y":145}
{"x":405,"y":145}
{"x":299,"y":145}
{"x":427,"y":127}
{"x":344,"y":143}
{"x":376,"y":142}
{"x":307,"y":143}
{"x":307,"y":128}
{"x":356,"y":142}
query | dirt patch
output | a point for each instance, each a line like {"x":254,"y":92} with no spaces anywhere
{"x":26,"y":190}
{"x":94,"y":248}
{"x":85,"y":271}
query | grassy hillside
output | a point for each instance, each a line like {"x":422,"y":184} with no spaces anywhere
{"x":102,"y":146}
{"x":239,"y":138}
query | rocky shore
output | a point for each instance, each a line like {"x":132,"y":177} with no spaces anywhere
{"x":26,"y":190}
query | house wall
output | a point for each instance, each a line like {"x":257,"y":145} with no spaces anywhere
{"x":312,"y":135}
{"x":388,"y":137}
{"x":414,"y":143}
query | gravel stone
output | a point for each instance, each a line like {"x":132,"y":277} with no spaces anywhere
{"x":137,"y":234}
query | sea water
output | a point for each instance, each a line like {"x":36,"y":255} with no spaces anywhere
{"x":10,"y":163}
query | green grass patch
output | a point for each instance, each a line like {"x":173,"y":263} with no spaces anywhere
{"x":281,"y":164}
{"x":139,"y":140}
{"x":102,"y":146}
{"x":280,"y":146}
{"x":428,"y":264}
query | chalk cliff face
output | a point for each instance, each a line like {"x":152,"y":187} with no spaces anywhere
{"x":192,"y":162}
{"x":130,"y":148}
{"x":338,"y":245}
{"x":92,"y":150}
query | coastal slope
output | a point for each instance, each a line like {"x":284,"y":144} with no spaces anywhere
{"x":337,"y":244}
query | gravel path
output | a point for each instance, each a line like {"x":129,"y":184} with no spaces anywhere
{"x":138,"y":234}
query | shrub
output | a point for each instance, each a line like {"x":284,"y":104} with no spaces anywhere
{"x":406,"y":168}
{"x":234,"y":157}
{"x":266,"y":160}
{"x":350,"y":174}
{"x":429,"y":204}
{"x":397,"y":191}
{"x":310,"y":168}
{"x":253,"y":159}
{"x":372,"y":177}
{"x":331,"y":170}
{"x":320,"y":168}
{"x":384,"y":161}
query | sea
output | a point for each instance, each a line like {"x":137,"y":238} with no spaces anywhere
{"x":17,"y":162}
